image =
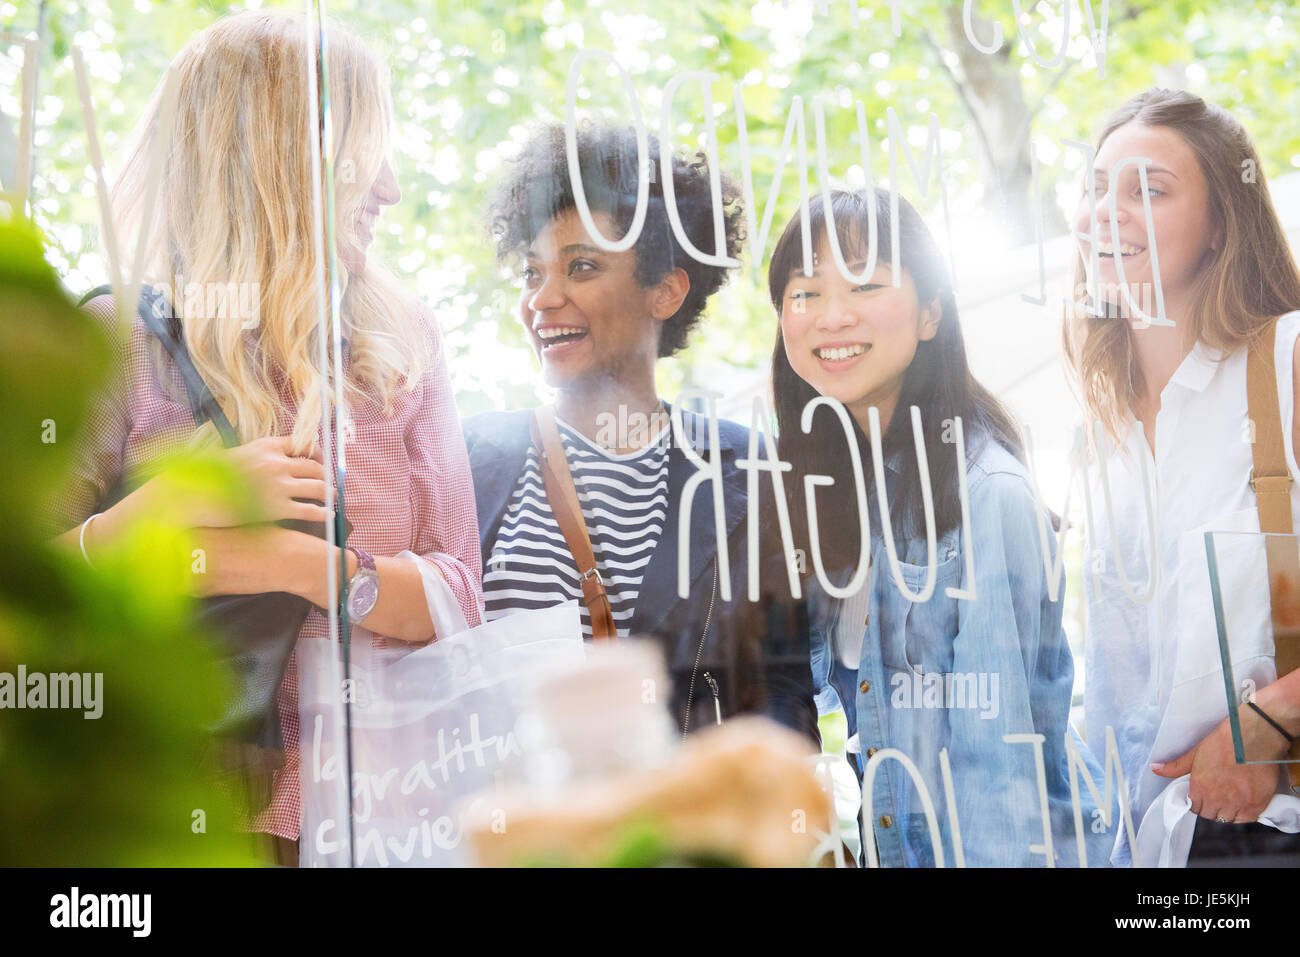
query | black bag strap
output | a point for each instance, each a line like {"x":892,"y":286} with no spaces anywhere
{"x":161,"y":322}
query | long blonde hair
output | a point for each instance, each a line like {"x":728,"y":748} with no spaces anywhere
{"x":234,"y":218}
{"x":1238,"y":290}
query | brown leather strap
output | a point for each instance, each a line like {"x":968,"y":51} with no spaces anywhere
{"x":1270,"y":479}
{"x":563,"y":498}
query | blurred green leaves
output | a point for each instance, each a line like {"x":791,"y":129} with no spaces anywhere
{"x":45,"y":345}
{"x":134,"y":786}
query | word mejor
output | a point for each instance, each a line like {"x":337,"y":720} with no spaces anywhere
{"x":56,"y":690}
{"x":102,"y":910}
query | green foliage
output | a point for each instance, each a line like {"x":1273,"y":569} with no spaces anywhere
{"x":43,"y":342}
{"x":642,"y":843}
{"x":834,"y":731}
{"x":121,"y":789}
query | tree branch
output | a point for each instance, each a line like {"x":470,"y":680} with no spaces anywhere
{"x":1022,"y":135}
{"x":962,"y":95}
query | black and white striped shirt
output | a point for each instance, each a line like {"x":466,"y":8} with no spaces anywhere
{"x":624,"y":502}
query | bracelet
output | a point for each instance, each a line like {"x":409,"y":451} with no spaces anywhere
{"x":81,"y":539}
{"x":1276,"y":727}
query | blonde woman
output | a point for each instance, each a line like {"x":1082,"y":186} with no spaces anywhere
{"x":235,"y":215}
{"x":1172,"y":404}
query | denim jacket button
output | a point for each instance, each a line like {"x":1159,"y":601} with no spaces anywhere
{"x":864,"y":686}
{"x":886,"y":821}
{"x":871,"y":751}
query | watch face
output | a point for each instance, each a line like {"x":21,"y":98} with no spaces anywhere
{"x":363,"y":594}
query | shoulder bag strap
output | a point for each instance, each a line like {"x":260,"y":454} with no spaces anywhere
{"x":563,"y":498}
{"x":155,"y":312}
{"x":1270,"y":480}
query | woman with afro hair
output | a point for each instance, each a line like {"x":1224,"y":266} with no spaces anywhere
{"x":597,"y":519}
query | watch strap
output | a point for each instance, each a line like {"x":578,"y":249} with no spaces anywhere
{"x":364,"y":558}
{"x":366,"y":571}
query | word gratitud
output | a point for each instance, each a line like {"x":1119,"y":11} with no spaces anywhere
{"x":381,"y":796}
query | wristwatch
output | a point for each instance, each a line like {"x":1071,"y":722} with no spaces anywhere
{"x":363,"y":589}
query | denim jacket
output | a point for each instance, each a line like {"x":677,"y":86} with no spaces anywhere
{"x":959,"y":675}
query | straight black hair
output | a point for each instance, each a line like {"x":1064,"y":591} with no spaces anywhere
{"x":938,"y":382}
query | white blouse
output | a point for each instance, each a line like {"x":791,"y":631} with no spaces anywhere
{"x":1154,"y":672}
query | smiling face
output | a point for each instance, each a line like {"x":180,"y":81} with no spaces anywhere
{"x":854,"y":342}
{"x":582,"y":307}
{"x":384,"y":191}
{"x":1180,"y":215}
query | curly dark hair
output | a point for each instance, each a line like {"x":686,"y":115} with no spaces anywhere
{"x":537,"y":188}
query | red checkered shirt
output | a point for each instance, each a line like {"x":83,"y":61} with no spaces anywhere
{"x":408,"y":486}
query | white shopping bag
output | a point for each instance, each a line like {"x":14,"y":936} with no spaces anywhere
{"x":430,"y":726}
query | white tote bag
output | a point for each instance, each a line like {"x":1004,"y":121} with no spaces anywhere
{"x":431,"y":726}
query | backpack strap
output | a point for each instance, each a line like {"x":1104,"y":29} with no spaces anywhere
{"x":161,"y":322}
{"x":1270,"y":480}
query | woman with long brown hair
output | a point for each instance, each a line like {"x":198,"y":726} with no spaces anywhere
{"x":1177,"y":452}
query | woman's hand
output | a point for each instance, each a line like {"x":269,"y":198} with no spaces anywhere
{"x":275,"y":479}
{"x":1222,"y":789}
